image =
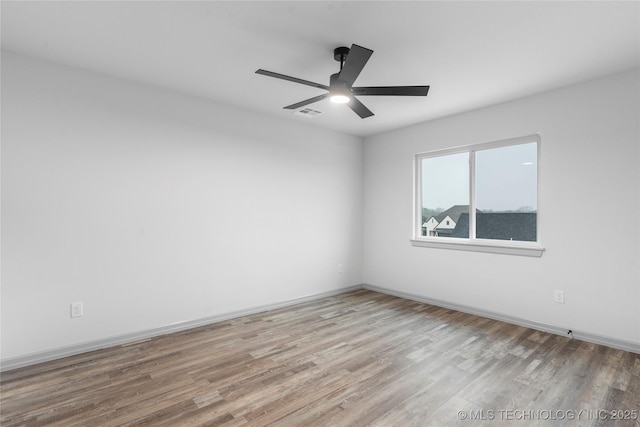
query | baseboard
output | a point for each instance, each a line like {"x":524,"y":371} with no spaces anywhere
{"x":554,"y":329}
{"x":72,"y":350}
{"x":61,"y":352}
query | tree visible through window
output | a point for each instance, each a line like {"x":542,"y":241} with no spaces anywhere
{"x":486,"y":191}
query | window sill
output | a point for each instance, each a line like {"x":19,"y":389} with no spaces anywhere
{"x":480,"y":246}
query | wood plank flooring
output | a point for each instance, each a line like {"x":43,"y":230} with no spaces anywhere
{"x":356,"y":359}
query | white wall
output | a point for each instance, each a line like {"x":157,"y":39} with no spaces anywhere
{"x":154,"y":208}
{"x":588,"y":171}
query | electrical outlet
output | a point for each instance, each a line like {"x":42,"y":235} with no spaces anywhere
{"x":340,"y":268}
{"x":77,"y":309}
{"x":558,"y":296}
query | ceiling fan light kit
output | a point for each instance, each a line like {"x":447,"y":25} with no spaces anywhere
{"x":337,"y":98}
{"x":341,"y":90}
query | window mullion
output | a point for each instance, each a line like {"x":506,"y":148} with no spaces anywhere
{"x":472,"y":194}
{"x":417,"y":179}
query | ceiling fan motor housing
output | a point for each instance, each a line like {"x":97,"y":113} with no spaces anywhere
{"x":339,"y":91}
{"x":335,"y":82}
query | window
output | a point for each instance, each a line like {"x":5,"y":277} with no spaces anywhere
{"x":482,"y":197}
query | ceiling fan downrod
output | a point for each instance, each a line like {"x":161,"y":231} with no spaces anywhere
{"x":340,"y":55}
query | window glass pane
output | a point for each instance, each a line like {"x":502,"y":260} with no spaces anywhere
{"x":506,"y":193}
{"x":445,"y":195}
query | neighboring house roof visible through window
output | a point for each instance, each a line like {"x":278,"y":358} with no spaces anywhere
{"x":453,"y":212}
{"x":519,"y":226}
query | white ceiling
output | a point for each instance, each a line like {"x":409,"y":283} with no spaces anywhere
{"x":472,"y":54}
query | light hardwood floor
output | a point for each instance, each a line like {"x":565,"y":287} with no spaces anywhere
{"x":356,"y":359}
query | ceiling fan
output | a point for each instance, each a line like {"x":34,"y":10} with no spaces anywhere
{"x":341,"y":90}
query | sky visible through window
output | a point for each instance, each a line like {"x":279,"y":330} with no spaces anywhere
{"x":506,"y":180}
{"x":445,"y":181}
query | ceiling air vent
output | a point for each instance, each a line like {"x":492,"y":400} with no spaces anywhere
{"x":307,"y":112}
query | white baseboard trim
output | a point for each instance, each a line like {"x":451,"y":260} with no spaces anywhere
{"x":61,"y":352}
{"x":558,"y":330}
{"x":72,"y":350}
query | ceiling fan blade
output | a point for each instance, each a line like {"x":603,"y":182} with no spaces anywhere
{"x":355,"y":62}
{"x":391,"y":90}
{"x":291,"y":79}
{"x":306,"y":102}
{"x":359,"y":108}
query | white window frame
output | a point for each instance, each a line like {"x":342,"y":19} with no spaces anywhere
{"x":534,"y":249}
